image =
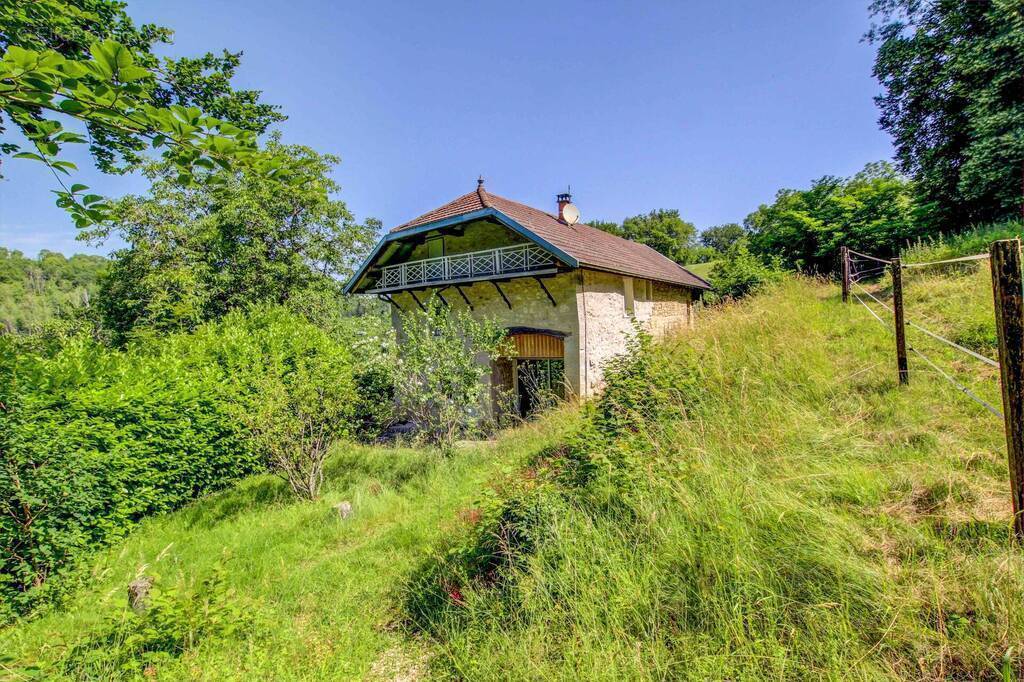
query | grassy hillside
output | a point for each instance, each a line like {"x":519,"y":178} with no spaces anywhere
{"x":757,"y":499}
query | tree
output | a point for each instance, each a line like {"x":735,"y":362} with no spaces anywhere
{"x":608,"y":226}
{"x":85,"y":60}
{"x":740,"y":273}
{"x":662,"y":230}
{"x":872,"y":211}
{"x":721,"y":237}
{"x":439,"y":372}
{"x":303,"y":406}
{"x":953,"y":102}
{"x":196,"y":253}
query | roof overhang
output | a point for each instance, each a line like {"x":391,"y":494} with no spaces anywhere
{"x":481,"y":214}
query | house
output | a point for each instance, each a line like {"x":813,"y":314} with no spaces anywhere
{"x":569,"y":294}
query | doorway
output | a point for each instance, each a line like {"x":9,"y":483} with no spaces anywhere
{"x":534,"y":378}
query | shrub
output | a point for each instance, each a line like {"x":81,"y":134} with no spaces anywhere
{"x":93,"y":441}
{"x":438,"y":374}
{"x":740,"y":272}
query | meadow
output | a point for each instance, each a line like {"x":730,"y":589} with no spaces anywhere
{"x":755,"y":499}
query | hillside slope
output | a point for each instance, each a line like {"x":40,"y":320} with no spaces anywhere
{"x":775,"y":507}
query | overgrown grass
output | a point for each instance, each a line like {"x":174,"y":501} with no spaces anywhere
{"x":758,"y":499}
{"x":318,"y":593}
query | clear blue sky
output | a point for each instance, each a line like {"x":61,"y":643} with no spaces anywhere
{"x":705,"y":107}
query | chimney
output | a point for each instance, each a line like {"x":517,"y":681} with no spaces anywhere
{"x":564,"y":200}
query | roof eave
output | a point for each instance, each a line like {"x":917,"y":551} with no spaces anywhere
{"x":456,"y":220}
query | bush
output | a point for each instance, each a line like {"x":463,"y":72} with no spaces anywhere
{"x":92,"y":440}
{"x":438,"y":375}
{"x":740,"y":272}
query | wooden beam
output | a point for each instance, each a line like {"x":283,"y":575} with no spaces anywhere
{"x":503,"y":296}
{"x":844,"y":254}
{"x":901,"y":331}
{"x":1008,"y":292}
{"x":464,"y":297}
{"x":413,"y":294}
{"x":389,"y":299}
{"x":546,"y":292}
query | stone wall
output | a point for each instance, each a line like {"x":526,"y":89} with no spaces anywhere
{"x":591,"y":306}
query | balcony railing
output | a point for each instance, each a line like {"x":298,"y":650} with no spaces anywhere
{"x":489,"y":263}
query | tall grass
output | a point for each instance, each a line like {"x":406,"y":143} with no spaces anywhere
{"x":756,"y":499}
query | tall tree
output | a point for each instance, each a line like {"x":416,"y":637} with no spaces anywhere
{"x":85,"y":60}
{"x":195,"y":253}
{"x":662,"y":230}
{"x":872,"y":211}
{"x":721,"y":237}
{"x":954,"y":103}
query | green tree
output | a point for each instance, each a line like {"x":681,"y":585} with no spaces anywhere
{"x":662,"y":230}
{"x":953,"y":102}
{"x":740,"y":273}
{"x":608,"y":226}
{"x":873,"y":211}
{"x":439,"y":372}
{"x":195,"y":253}
{"x":85,"y":60}
{"x":721,"y":237}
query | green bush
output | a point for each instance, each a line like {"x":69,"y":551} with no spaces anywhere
{"x":740,"y":272}
{"x":92,"y":440}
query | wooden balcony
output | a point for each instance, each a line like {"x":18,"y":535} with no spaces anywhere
{"x":490,"y":264}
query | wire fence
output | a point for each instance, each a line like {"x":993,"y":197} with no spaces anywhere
{"x":878,"y":267}
{"x":1006,"y":258}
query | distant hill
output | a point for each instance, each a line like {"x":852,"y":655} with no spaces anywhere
{"x":35,"y":290}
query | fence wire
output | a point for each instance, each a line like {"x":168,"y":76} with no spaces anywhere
{"x":980,"y":256}
{"x":945,"y":375}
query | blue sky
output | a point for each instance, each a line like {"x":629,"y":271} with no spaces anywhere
{"x":705,"y":107}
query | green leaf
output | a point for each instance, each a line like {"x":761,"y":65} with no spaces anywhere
{"x":28,"y":155}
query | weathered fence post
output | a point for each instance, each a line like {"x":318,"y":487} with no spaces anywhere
{"x":1009,"y":303}
{"x":897,"y":308}
{"x":844,"y":253}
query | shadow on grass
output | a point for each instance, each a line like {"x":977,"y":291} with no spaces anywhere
{"x":349,"y":466}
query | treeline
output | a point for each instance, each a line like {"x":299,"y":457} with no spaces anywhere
{"x":34,"y":291}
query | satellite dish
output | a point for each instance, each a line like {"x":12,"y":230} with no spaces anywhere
{"x":570,"y":214}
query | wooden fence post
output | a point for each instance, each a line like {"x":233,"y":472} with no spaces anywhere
{"x":1009,"y":303}
{"x":897,"y":308}
{"x":844,"y":253}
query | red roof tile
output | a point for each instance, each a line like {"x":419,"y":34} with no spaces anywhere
{"x":590,"y":246}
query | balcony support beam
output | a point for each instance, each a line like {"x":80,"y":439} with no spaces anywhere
{"x":546,"y":292}
{"x":464,"y":297}
{"x":503,"y":296}
{"x":414,"y":297}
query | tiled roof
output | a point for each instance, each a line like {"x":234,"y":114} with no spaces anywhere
{"x":590,"y":246}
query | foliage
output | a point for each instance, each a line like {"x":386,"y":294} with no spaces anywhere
{"x":438,"y":375}
{"x":85,"y":60}
{"x":302,"y":406}
{"x":34,"y":291}
{"x":175,"y":621}
{"x":721,"y":237}
{"x":871,"y":212}
{"x":953,"y":103}
{"x":94,"y":441}
{"x":662,"y":230}
{"x":797,"y":516}
{"x":196,"y":253}
{"x":740,"y":273}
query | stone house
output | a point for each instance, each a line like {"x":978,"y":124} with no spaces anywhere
{"x":570,"y":295}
